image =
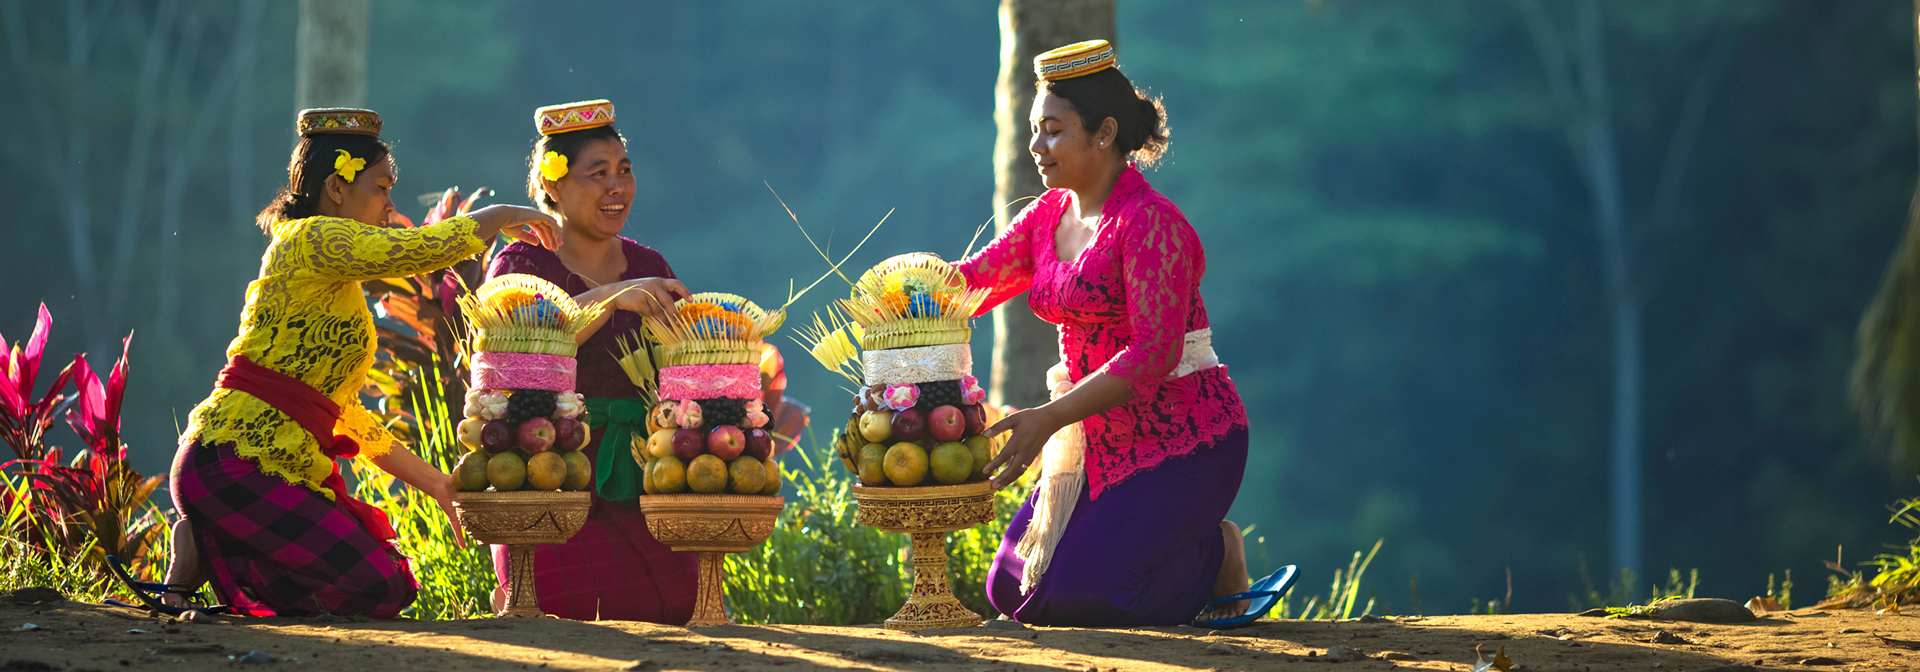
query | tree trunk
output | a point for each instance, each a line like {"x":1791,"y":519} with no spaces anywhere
{"x":1024,"y":347}
{"x":330,"y":68}
{"x":1602,"y":166}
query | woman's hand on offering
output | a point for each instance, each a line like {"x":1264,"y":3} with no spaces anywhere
{"x":443,"y":493}
{"x":652,"y":297}
{"x":1031,"y":428}
{"x":519,"y":223}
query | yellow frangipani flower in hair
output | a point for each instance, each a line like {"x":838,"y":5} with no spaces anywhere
{"x":553,"y":166}
{"x":346,"y":166}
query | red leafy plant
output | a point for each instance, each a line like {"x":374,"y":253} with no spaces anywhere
{"x":97,"y":505}
{"x":23,"y":420}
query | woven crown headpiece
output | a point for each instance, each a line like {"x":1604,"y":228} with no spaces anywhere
{"x":1074,"y":60}
{"x":337,"y":120}
{"x":573,"y":116}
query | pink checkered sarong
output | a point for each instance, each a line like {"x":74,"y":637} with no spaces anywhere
{"x":277,"y":549}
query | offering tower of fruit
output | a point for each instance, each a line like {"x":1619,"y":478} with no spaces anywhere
{"x":523,"y":421}
{"x":917,"y":419}
{"x":707,"y":431}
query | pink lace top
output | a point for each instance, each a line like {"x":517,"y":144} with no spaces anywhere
{"x":1124,"y":307}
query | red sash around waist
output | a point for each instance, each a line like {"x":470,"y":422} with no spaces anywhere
{"x":314,"y":412}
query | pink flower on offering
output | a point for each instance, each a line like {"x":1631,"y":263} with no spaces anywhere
{"x":756,"y":406}
{"x":902,"y":396}
{"x":687,"y":414}
{"x":970,"y":391}
{"x":569,"y":404}
{"x":755,"y":419}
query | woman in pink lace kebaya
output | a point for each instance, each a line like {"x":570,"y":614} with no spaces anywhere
{"x":1117,"y":267}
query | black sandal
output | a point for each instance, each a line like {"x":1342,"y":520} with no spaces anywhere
{"x":149,"y":594}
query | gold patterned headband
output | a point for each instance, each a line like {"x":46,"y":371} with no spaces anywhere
{"x":573,"y":116}
{"x":337,"y":120}
{"x":1074,"y":60}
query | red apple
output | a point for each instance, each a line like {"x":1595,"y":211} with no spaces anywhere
{"x":759,"y":444}
{"x":726,"y":442}
{"x":976,"y":417}
{"x":496,"y":436}
{"x":536,"y":435}
{"x":908,"y":425}
{"x":689,"y":443}
{"x":569,"y":434}
{"x":946,"y":424}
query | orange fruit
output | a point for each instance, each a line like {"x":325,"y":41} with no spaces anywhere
{"x":470,"y":473}
{"x":506,"y":471}
{"x":579,"y":471}
{"x":982,"y":449}
{"x":906,"y":464}
{"x":546,"y":471}
{"x":669,"y":475}
{"x":773,"y":478}
{"x":873,"y":464}
{"x":951,"y":463}
{"x":746,"y":476}
{"x":707,"y":475}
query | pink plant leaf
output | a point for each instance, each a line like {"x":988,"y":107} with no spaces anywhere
{"x":93,"y":395}
{"x":117,"y":384}
{"x":12,"y":402}
{"x":26,"y":366}
{"x":442,"y":208}
{"x":467,"y":205}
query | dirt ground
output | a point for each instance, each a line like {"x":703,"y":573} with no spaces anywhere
{"x":76,"y":636}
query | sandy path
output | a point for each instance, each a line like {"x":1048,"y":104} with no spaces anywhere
{"x":90,"y":637}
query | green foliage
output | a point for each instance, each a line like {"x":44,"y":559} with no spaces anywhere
{"x":1896,"y":579}
{"x":455,"y":582}
{"x":1781,"y":594}
{"x":1342,"y":596}
{"x":821,"y":568}
{"x":1620,"y":590}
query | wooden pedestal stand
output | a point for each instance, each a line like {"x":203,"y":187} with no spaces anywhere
{"x":713,"y":526}
{"x":928,"y":513}
{"x":522,"y":521}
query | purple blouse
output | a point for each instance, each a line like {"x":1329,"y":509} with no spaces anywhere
{"x":600,"y":374}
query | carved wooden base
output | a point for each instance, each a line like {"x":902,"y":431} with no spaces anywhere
{"x":713,"y":526}
{"x":927,"y":513}
{"x":522,"y":521}
{"x":710,"y":605}
{"x":522,"y":600}
{"x":932,"y":604}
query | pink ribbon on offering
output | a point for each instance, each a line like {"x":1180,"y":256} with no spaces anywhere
{"x":710,"y":381}
{"x":522,"y":371}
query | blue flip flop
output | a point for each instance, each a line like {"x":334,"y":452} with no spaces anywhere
{"x":149,"y":594}
{"x":1261,"y":596}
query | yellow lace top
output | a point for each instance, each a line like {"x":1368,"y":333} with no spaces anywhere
{"x":306,"y":317}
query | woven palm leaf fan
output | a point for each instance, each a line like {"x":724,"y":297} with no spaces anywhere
{"x":523,"y":313}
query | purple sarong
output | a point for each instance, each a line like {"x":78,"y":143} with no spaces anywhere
{"x":1146,"y":553}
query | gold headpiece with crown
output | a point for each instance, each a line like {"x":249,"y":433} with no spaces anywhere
{"x":337,"y":120}
{"x":1074,"y":60}
{"x":573,"y":116}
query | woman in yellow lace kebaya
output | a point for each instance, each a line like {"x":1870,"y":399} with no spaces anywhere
{"x":265,"y":515}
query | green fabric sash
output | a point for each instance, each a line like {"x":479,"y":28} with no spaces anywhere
{"x":616,"y":476}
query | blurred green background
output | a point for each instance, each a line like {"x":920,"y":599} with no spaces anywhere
{"x":1403,"y":272}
